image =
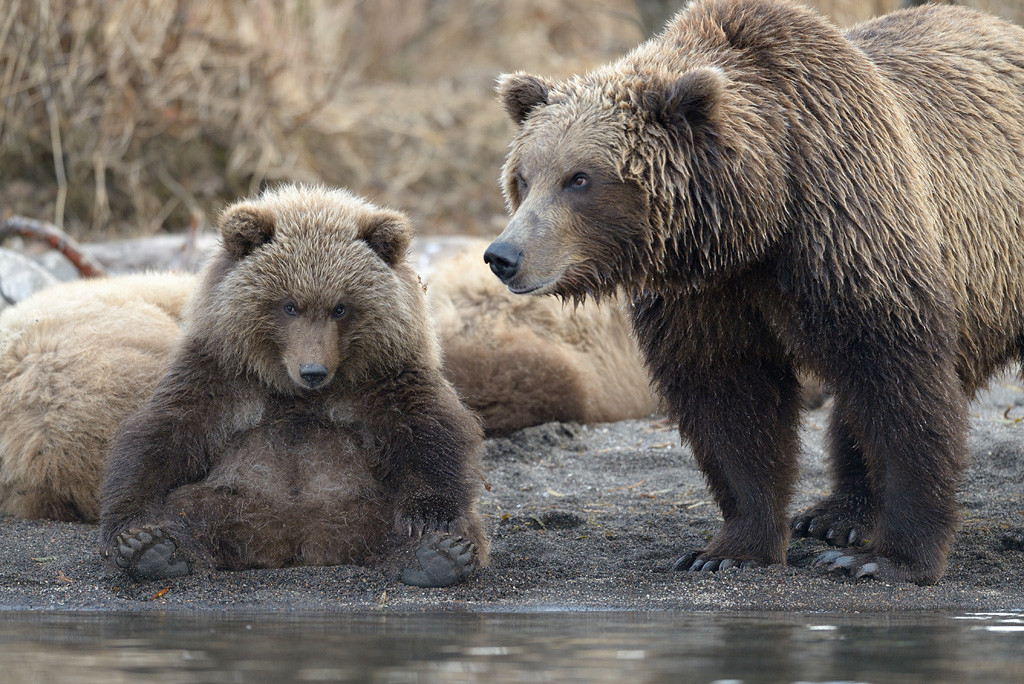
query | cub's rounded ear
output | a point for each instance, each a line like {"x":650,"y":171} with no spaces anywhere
{"x":693,"y":100}
{"x":520,"y":93}
{"x":244,"y":227}
{"x":388,"y":233}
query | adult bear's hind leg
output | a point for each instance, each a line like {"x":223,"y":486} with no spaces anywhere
{"x":846,"y":516}
{"x":912,"y":428}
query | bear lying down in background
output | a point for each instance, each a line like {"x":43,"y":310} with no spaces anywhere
{"x":76,"y":359}
{"x":303,"y":419}
{"x":521,"y":361}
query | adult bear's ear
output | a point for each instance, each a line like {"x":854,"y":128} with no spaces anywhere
{"x":243,"y":228}
{"x":693,"y":100}
{"x":388,"y":233}
{"x":520,"y":93}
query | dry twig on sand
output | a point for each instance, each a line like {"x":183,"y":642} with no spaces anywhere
{"x":56,"y":238}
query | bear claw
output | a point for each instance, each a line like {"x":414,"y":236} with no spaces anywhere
{"x":866,"y":570}
{"x":838,"y":520}
{"x":826,"y":558}
{"x":443,"y":560}
{"x":148,"y":554}
{"x":416,"y":526}
{"x":856,"y":564}
{"x":695,"y":561}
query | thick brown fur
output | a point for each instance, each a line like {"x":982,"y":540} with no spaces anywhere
{"x":521,"y":361}
{"x":75,"y":360}
{"x":304,"y":418}
{"x":774,"y":196}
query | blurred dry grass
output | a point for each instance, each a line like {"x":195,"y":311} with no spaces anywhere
{"x":120,"y":117}
{"x":145,"y":112}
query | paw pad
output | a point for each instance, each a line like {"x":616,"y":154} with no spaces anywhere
{"x":148,"y":553}
{"x":444,"y":560}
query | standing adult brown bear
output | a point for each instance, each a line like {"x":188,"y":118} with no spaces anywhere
{"x":775,"y":195}
{"x":304,"y":415}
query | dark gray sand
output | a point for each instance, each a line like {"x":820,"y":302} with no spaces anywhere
{"x":582,"y":518}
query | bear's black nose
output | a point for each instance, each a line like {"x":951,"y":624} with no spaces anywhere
{"x":313,"y":373}
{"x":504,"y":259}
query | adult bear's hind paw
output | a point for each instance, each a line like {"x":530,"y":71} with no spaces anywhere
{"x":874,"y":566}
{"x":838,"y":520}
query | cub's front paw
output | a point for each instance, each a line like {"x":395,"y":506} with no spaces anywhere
{"x":148,"y":553}
{"x":444,"y":560}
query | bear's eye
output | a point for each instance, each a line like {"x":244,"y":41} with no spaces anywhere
{"x":521,"y":182}
{"x":290,"y":309}
{"x":339,"y":311}
{"x":580,"y":180}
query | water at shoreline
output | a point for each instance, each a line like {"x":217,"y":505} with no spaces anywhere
{"x":512,"y":647}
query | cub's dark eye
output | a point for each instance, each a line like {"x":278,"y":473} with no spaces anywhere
{"x":580,"y":180}
{"x":290,"y":309}
{"x":339,"y":311}
{"x":521,"y":182}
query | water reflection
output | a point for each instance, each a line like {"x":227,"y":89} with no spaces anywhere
{"x":545,"y":647}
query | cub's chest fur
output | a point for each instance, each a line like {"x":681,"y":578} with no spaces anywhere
{"x":298,"y":450}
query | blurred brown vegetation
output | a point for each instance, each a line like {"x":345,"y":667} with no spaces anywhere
{"x":121,"y":117}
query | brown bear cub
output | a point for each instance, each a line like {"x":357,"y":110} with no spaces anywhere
{"x":304,"y":419}
{"x":777,"y":196}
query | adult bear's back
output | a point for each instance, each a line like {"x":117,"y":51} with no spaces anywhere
{"x":959,"y":76}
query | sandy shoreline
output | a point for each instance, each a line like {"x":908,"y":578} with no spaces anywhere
{"x":582,"y":518}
